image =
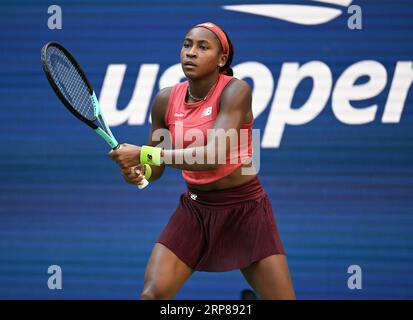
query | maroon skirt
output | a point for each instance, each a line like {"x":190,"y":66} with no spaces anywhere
{"x":223,"y":230}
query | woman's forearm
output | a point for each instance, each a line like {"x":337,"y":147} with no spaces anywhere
{"x":191,"y":159}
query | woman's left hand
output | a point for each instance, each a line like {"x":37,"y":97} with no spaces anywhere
{"x":126,"y":156}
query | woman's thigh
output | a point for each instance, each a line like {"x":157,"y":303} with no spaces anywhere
{"x":165,"y":274}
{"x":270,"y":278}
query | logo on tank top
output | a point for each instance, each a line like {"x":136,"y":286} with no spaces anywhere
{"x":207,"y":112}
{"x":193,"y":196}
{"x":178,"y":115}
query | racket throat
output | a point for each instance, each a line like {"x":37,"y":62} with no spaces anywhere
{"x":102,"y":129}
{"x":109,"y":139}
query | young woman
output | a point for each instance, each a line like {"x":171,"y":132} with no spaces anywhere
{"x":224,"y":221}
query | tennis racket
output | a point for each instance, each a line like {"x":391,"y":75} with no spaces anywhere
{"x":72,"y":87}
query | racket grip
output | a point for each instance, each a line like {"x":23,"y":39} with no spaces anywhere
{"x":143,"y":185}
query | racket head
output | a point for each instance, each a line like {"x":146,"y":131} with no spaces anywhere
{"x":69,"y":82}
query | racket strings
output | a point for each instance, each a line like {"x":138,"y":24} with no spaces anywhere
{"x":70,"y":82}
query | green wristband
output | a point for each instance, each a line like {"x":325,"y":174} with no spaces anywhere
{"x":151,"y":155}
{"x":148,"y":171}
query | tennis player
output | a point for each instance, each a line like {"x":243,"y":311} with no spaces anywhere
{"x":224,"y":221}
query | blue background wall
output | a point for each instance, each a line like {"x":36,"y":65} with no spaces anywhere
{"x":342,"y":194}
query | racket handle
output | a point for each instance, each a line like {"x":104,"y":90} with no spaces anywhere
{"x":143,"y":185}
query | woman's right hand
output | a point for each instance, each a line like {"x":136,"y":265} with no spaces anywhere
{"x":134,"y":175}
